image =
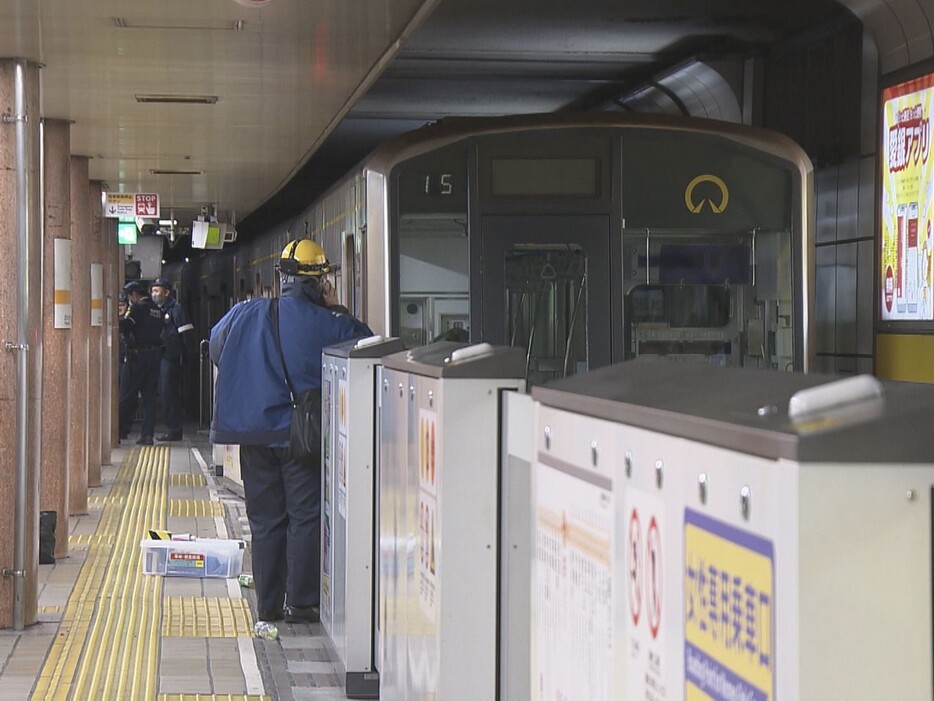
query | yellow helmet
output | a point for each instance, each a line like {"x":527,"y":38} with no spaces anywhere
{"x":303,"y":257}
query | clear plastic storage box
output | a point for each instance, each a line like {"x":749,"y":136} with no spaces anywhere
{"x":205,"y":557}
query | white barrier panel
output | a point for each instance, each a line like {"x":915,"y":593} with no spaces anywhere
{"x":439,"y":490}
{"x":348,"y":396}
{"x":694,"y":541}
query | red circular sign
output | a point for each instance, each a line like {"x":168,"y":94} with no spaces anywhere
{"x":653,"y":577}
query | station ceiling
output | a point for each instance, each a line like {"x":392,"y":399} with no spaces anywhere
{"x":252,"y":107}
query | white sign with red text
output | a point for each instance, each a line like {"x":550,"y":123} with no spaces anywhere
{"x":646,"y":597}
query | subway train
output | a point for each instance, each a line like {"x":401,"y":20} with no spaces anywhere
{"x":584,"y":239}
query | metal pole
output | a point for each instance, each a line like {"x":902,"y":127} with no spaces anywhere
{"x":22,"y":348}
{"x":201,"y":385}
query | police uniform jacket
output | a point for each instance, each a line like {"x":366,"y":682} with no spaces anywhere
{"x":252,"y":402}
{"x":143,"y":325}
{"x":175,"y":324}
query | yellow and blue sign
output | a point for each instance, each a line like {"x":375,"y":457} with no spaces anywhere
{"x":729,"y":612}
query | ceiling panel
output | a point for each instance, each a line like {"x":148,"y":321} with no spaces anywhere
{"x":281,"y":75}
{"x":285,"y":74}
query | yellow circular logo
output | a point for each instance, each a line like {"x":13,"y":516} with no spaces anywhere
{"x":706,"y":178}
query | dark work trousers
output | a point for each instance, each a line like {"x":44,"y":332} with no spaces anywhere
{"x":142,"y":377}
{"x":170,"y":390}
{"x":131,"y":401}
{"x":283,"y":504}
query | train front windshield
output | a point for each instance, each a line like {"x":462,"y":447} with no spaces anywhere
{"x":715,"y":298}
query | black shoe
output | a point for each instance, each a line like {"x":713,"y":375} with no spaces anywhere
{"x":169,"y":437}
{"x":145,"y":440}
{"x":302,"y":614}
{"x":269,"y":616}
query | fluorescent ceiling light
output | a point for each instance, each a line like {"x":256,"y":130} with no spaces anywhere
{"x":177,"y":99}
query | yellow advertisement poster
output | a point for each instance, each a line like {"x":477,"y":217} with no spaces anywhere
{"x":907,"y":201}
{"x":729,"y":612}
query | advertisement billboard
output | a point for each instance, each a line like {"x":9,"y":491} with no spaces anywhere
{"x":907,"y":207}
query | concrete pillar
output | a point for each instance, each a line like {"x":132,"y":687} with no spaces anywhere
{"x":108,"y":356}
{"x":95,"y":337}
{"x":56,"y":326}
{"x":20,"y":341}
{"x":80,"y":331}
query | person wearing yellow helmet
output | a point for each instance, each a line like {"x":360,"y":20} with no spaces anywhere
{"x":253,"y":406}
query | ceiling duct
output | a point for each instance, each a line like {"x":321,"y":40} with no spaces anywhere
{"x":710,"y":89}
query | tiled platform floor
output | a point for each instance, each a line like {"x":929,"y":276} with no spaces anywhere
{"x":224,"y":660}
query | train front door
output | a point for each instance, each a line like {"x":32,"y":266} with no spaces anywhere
{"x":545,"y":286}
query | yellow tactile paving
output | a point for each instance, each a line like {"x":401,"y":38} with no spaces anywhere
{"x":97,"y":500}
{"x":50,"y":609}
{"x":212,"y":697}
{"x":195,"y":508}
{"x":85,"y":539}
{"x":188,"y":479}
{"x":108,"y":642}
{"x":200,"y":617}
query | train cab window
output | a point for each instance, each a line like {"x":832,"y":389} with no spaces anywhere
{"x":717,"y":298}
{"x":433,"y":280}
{"x":546,"y":308}
{"x":433,"y":261}
{"x":683,"y":306}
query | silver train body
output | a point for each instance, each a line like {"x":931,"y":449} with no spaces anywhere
{"x":585,"y":239}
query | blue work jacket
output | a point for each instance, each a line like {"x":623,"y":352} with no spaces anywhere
{"x":252,"y":404}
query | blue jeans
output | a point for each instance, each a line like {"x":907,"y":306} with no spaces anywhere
{"x":283,"y":504}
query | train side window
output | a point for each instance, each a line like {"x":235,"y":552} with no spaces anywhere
{"x":433,"y":281}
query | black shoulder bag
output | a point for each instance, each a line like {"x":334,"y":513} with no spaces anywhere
{"x":305,"y":437}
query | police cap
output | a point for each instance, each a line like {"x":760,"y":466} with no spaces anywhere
{"x":161,"y":282}
{"x":134,"y":286}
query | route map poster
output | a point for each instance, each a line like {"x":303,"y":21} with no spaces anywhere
{"x":907,"y":207}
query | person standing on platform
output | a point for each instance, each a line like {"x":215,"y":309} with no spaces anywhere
{"x":143,"y":327}
{"x":253,"y":409}
{"x":177,"y":338}
{"x":123,"y":306}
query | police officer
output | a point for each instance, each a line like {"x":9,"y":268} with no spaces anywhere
{"x":123,"y":306}
{"x":177,"y":336}
{"x":143,"y":327}
{"x":253,"y":409}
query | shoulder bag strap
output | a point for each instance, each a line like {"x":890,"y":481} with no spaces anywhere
{"x":274,"y":313}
